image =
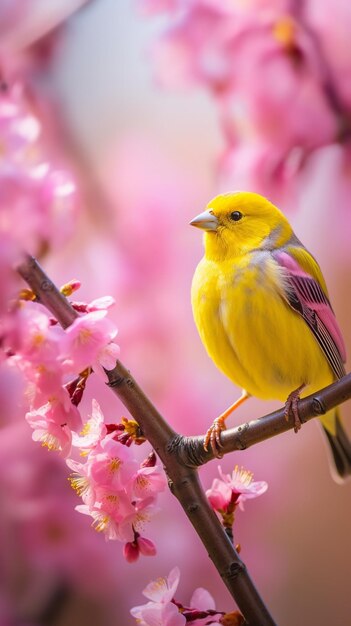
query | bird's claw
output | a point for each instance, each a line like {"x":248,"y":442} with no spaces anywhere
{"x":291,"y":405}
{"x":213,"y":437}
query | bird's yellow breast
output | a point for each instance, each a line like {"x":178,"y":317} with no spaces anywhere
{"x":249,"y":330}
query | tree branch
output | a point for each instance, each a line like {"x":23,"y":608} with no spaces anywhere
{"x":191,"y":449}
{"x":181,"y":455}
{"x":183,"y":477}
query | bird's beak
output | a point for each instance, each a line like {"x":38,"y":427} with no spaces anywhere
{"x":206,"y":221}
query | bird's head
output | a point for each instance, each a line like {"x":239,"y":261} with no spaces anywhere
{"x":237,"y":223}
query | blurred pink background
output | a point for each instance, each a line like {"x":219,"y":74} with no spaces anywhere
{"x":148,"y":161}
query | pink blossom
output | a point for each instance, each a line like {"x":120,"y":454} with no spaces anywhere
{"x":238,"y":486}
{"x":52,"y":436}
{"x":332,"y":28}
{"x":93,"y":430}
{"x":131,"y":551}
{"x":59,"y":408}
{"x":9,"y":280}
{"x":142,"y":513}
{"x":109,"y":512}
{"x":164,"y":609}
{"x":198,"y":49}
{"x":270,"y":76}
{"x":146,"y":547}
{"x":118,"y":496}
{"x":113,"y":513}
{"x":260,"y":105}
{"x":33,"y":337}
{"x":148,"y":481}
{"x":19,"y":128}
{"x":140,"y":545}
{"x":260,"y":166}
{"x":101,"y":521}
{"x":113,"y":502}
{"x":99,"y":304}
{"x":53,"y":423}
{"x":33,"y":212}
{"x":41,"y":533}
{"x":111,"y":463}
{"x":59,"y":196}
{"x":153,"y":614}
{"x":80,"y":481}
{"x":202,"y":601}
{"x":21,"y":211}
{"x":87,"y":342}
{"x":109,"y":466}
{"x":219,"y":495}
{"x":163,"y":589}
{"x":43,"y":382}
{"x":35,"y":348}
{"x":108,"y":356}
{"x":103,"y":303}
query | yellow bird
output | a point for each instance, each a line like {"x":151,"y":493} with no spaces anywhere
{"x":263,"y":313}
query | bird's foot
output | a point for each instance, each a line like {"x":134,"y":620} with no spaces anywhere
{"x":291,"y":405}
{"x":213,"y":437}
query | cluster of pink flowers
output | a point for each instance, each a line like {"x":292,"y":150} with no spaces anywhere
{"x":38,"y":198}
{"x":38,"y":192}
{"x":37,"y":213}
{"x":225,"y":494}
{"x":49,"y":357}
{"x":278,"y":71}
{"x":163,"y":610}
{"x":230,"y":491}
{"x":118,"y":492}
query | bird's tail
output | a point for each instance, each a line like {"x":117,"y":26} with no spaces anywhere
{"x":340,"y":446}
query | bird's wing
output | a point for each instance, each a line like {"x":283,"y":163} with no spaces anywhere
{"x":304,"y":292}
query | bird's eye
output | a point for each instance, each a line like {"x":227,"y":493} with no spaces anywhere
{"x":236,"y":216}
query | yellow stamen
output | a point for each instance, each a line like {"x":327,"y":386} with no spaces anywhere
{"x":157,"y":584}
{"x":80,"y":484}
{"x":100,"y":523}
{"x":86,"y":429}
{"x":38,"y":339}
{"x":115,"y":464}
{"x":143,"y":482}
{"x":140,"y":519}
{"x":243,"y":475}
{"x":112,"y":498}
{"x":132,"y":428}
{"x":284,"y":31}
{"x":50,"y":442}
{"x":26,"y":294}
{"x":84,"y":335}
